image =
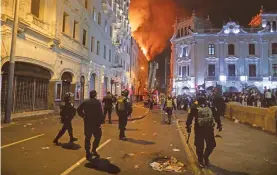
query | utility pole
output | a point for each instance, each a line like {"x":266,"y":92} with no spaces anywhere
{"x":131,"y":64}
{"x":9,"y":104}
{"x":165,"y":76}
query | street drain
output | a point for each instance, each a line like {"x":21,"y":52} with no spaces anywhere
{"x":167,"y":164}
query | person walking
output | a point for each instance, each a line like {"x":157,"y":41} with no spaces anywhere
{"x":168,"y":107}
{"x":67,"y":113}
{"x":92,"y":113}
{"x":123,"y":111}
{"x":108,"y":106}
{"x":204,"y":130}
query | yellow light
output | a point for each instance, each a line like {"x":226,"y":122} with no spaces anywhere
{"x":144,"y":51}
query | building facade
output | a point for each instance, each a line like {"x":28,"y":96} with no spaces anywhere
{"x":232,"y":56}
{"x":66,"y":46}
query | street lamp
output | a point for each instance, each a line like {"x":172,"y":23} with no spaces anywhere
{"x":142,"y":68}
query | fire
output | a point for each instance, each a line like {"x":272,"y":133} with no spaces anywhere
{"x":151,"y":24}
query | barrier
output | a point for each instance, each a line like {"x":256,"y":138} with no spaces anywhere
{"x":264,"y":118}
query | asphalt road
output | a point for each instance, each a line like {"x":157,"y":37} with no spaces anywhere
{"x":241,"y":150}
{"x":148,"y":139}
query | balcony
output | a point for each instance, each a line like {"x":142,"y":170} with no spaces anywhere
{"x":180,"y":79}
{"x":257,"y":78}
{"x":107,"y":8}
{"x":233,"y":78}
{"x":273,"y":78}
{"x":211,"y":78}
{"x":38,"y":24}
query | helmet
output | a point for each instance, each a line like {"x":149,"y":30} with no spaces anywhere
{"x":125,"y":93}
{"x":67,"y":96}
{"x":201,"y":100}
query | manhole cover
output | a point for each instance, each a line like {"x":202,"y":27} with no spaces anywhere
{"x":167,"y":164}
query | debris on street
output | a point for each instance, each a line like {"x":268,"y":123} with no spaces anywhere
{"x":108,"y":158}
{"x":236,"y":121}
{"x":128,"y":155}
{"x":136,"y":166}
{"x":167,"y":164}
{"x":176,"y":150}
{"x":32,"y":129}
{"x":170,"y":145}
{"x":28,"y":124}
{"x":45,"y":148}
{"x":155,"y":134}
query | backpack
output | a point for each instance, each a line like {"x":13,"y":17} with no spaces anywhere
{"x":121,"y":104}
{"x":205,"y":117}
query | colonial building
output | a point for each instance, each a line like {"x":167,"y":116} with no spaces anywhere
{"x":66,"y":46}
{"x":232,"y":56}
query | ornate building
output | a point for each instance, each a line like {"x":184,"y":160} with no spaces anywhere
{"x":232,"y":56}
{"x":66,"y":46}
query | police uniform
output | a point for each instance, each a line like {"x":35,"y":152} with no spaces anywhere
{"x":92,"y":113}
{"x":108,"y":106}
{"x":202,"y":133}
{"x":168,"y":107}
{"x":67,"y":112}
{"x":123,"y":114}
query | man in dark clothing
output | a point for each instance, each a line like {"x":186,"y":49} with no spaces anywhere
{"x":108,"y":106}
{"x":203,"y":127}
{"x":67,"y":112}
{"x":92,"y":113}
{"x":123,"y":110}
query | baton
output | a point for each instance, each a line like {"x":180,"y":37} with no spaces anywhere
{"x":188,"y":138}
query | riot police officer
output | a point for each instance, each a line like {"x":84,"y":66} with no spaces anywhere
{"x":92,"y":113}
{"x":123,"y":111}
{"x":67,"y":112}
{"x":169,"y":105}
{"x":108,"y":106}
{"x":204,"y":129}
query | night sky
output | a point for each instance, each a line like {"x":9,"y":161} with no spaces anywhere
{"x":219,"y":11}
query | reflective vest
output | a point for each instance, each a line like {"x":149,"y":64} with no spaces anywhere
{"x":169,"y":103}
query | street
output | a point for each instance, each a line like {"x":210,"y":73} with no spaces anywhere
{"x":240,"y":149}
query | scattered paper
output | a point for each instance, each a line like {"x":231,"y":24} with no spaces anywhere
{"x":136,"y":166}
{"x":108,"y":158}
{"x":32,"y":129}
{"x":45,"y":148}
{"x":170,"y":145}
{"x":165,"y":164}
{"x":155,"y":134}
{"x":236,"y":121}
{"x":254,"y":125}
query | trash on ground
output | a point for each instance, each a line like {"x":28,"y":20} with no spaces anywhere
{"x":128,"y":155}
{"x":155,"y":134}
{"x":136,"y":166}
{"x":170,"y":145}
{"x":108,"y":158}
{"x":176,"y":150}
{"x":32,"y":129}
{"x":236,"y":121}
{"x":45,"y":148}
{"x":143,"y":134}
{"x":167,"y":164}
{"x":254,"y":125}
{"x":266,"y":160}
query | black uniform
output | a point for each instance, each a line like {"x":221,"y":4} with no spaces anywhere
{"x":92,"y":113}
{"x":123,"y":116}
{"x":67,"y":112}
{"x":108,"y":106}
{"x":202,"y":134}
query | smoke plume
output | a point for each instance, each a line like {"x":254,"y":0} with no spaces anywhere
{"x":151,"y":23}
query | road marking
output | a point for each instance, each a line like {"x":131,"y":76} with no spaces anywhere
{"x":14,"y":143}
{"x":67,"y":171}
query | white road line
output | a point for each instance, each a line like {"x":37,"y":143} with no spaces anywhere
{"x":67,"y":171}
{"x":14,"y":143}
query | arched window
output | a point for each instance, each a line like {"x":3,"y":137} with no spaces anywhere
{"x":211,"y":49}
{"x":186,"y":31}
{"x":92,"y":82}
{"x":182,"y":32}
{"x":231,"y":49}
{"x":178,"y":33}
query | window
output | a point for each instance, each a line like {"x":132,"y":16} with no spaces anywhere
{"x":180,"y":70}
{"x":251,"y":49}
{"x":86,"y":4}
{"x":252,"y":70}
{"x":92,"y":44}
{"x":104,"y":52}
{"x":58,"y":89}
{"x":211,"y":49}
{"x":84,"y":37}
{"x":184,"y":71}
{"x":274,"y":70}
{"x":211,"y":70}
{"x":35,"y":7}
{"x":106,"y":26}
{"x":99,"y":18}
{"x":231,"y":70}
{"x":111,"y":31}
{"x":182,"y":32}
{"x":74,"y":29}
{"x":65,"y":20}
{"x":185,"y":52}
{"x":231,"y":49}
{"x":98,"y":48}
{"x":274,"y":48}
{"x":178,"y":33}
{"x":188,"y":70}
{"x":94,"y":14}
{"x":186,"y":31}
{"x":110,"y":55}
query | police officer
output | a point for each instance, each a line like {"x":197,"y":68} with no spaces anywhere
{"x":123,"y":110}
{"x":67,"y":112}
{"x":204,"y":131}
{"x":108,"y":106}
{"x":169,"y":105}
{"x":92,"y":113}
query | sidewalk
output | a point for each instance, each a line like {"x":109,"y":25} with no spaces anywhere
{"x":240,"y":149}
